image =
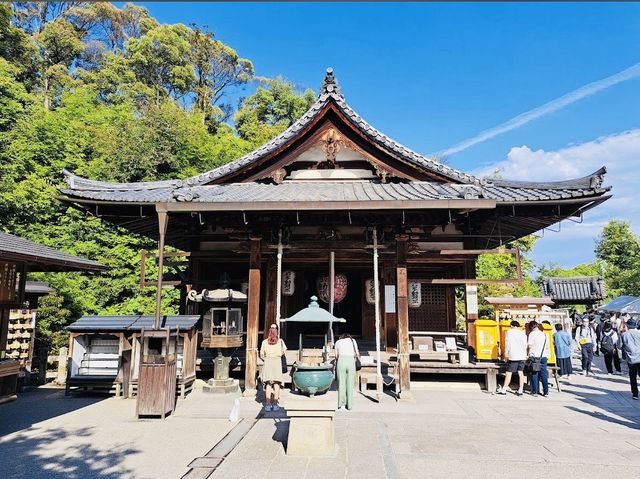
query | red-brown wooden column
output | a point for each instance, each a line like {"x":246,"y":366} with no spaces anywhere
{"x":253,"y":313}
{"x":402,"y":293}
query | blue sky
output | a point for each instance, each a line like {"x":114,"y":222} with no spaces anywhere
{"x":432,"y":75}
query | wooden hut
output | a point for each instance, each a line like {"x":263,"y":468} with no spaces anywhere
{"x":184,"y":328}
{"x":334,"y":197}
{"x":18,"y":257}
{"x":100,"y":354}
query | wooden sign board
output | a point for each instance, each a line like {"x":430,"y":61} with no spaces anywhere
{"x":8,"y":273}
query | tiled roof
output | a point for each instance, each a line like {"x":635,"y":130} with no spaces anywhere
{"x":574,"y":290}
{"x":327,"y":191}
{"x":14,"y":248}
{"x":460,"y":184}
{"x":36,"y":287}
{"x":131,"y":323}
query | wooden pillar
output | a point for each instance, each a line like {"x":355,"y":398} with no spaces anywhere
{"x":253,"y":314}
{"x":402,"y":295}
{"x":162,"y":227}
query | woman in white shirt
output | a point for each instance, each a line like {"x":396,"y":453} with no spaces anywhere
{"x":346,"y":354}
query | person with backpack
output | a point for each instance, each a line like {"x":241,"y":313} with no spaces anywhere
{"x":586,"y":338}
{"x":631,"y":346}
{"x":609,"y":348}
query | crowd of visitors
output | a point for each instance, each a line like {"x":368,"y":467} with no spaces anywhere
{"x":616,"y":337}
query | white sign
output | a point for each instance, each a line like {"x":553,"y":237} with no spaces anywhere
{"x":471,"y":293}
{"x":389,"y":298}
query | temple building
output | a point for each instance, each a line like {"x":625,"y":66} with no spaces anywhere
{"x":332,"y":207}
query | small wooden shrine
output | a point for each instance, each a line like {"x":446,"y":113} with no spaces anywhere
{"x":106,"y":352}
{"x":332,"y":204}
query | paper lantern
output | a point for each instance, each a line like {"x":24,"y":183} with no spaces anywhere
{"x":288,"y":283}
{"x":339,"y":288}
{"x":415,"y":294}
{"x":370,"y":291}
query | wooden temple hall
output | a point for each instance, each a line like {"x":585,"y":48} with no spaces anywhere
{"x":334,"y":208}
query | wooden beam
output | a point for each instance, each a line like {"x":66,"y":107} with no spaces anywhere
{"x":402,"y":293}
{"x":163,"y":220}
{"x":462,"y":281}
{"x":253,"y":314}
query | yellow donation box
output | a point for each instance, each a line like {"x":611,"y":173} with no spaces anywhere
{"x":548,"y":330}
{"x":486,"y":332}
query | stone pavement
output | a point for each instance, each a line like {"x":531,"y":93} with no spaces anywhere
{"x":47,"y":435}
{"x":589,"y":430}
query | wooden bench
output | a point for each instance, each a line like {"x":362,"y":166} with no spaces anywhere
{"x":488,"y":370}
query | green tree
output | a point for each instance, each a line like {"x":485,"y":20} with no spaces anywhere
{"x":272,"y":109}
{"x":217,"y":67}
{"x":160,"y":59}
{"x":500,"y":266}
{"x":618,"y":248}
{"x":52,"y":317}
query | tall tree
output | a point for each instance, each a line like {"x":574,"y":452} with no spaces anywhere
{"x":160,"y":59}
{"x":217,"y":67}
{"x":271,"y":109}
{"x":618,"y":248}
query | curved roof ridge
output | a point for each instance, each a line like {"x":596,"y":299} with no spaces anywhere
{"x":389,"y":143}
{"x":592,"y":181}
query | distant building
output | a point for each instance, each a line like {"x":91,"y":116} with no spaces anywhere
{"x":587,"y":290}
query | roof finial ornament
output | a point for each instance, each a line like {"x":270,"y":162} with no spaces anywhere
{"x":330,"y":84}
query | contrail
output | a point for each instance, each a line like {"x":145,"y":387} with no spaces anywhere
{"x":550,"y":107}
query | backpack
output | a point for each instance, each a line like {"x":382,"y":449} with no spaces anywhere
{"x":606,"y":345}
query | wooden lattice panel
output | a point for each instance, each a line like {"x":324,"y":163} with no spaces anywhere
{"x":432,"y":313}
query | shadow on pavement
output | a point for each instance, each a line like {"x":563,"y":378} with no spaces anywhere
{"x":39,"y":405}
{"x":47,"y":454}
{"x":613,"y":410}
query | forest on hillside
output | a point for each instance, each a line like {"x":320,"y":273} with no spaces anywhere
{"x":112,"y":94}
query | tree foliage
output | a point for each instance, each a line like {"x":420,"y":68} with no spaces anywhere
{"x":618,"y":250}
{"x":110,"y":93}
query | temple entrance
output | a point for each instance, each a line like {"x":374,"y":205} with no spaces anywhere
{"x":349,"y":307}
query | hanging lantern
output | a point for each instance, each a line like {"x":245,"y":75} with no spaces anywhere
{"x":415,"y":294}
{"x":288,"y":283}
{"x":370,"y":291}
{"x":339,"y":288}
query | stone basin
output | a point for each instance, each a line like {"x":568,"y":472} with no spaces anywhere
{"x":312,"y":378}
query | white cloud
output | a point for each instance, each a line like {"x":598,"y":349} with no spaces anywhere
{"x":543,"y":110}
{"x":620,"y":153}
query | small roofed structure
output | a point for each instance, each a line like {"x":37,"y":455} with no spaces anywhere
{"x":586,"y":290}
{"x":19,"y":256}
{"x":537,"y":303}
{"x":105,"y":352}
{"x":222,"y":316}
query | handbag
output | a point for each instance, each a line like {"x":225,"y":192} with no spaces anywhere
{"x":283,"y":360}
{"x":533,"y":364}
{"x":357,"y":356}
